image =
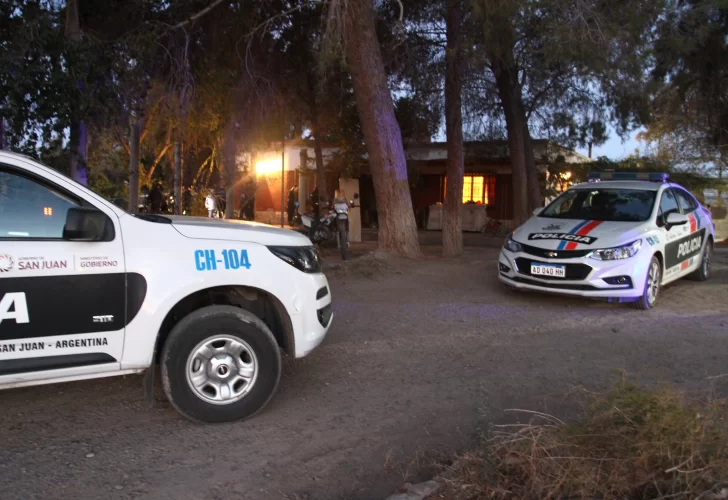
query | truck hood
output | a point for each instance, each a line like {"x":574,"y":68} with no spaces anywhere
{"x":575,"y":234}
{"x":222,"y":229}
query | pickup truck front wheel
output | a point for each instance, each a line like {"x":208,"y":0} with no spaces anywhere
{"x":220,"y":364}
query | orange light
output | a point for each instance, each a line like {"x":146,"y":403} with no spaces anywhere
{"x":268,"y":166}
{"x":48,"y":211}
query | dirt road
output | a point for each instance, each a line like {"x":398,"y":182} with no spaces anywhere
{"x":422,"y":356}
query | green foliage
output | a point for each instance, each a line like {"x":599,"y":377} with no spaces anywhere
{"x":690,"y":109}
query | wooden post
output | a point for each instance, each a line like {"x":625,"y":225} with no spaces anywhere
{"x":178,"y":178}
{"x":134,"y":167}
{"x":283,"y":178}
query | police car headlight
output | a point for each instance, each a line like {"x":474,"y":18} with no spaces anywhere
{"x":306,"y":259}
{"x":512,"y":246}
{"x":617,"y":253}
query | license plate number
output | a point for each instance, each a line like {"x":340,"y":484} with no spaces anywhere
{"x":548,"y":270}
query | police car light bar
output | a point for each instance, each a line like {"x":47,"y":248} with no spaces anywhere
{"x":628,"y":176}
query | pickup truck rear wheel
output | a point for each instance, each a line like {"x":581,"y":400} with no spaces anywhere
{"x":220,"y":364}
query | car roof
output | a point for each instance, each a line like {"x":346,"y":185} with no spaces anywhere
{"x":17,"y":156}
{"x":641,"y":185}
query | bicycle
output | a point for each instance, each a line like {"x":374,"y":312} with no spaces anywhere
{"x":495,"y":227}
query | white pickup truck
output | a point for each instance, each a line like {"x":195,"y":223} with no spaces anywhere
{"x":88,"y":290}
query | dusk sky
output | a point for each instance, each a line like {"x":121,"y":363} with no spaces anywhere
{"x":614,"y":148}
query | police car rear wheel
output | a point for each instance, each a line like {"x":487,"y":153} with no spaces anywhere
{"x":652,"y":285}
{"x":703,"y":272}
{"x":220,"y":364}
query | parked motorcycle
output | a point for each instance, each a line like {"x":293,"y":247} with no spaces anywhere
{"x":342,"y":224}
{"x":331,"y":227}
{"x":319,"y":231}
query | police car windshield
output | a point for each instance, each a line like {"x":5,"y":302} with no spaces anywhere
{"x":617,"y":205}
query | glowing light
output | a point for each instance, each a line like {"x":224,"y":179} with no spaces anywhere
{"x":566,"y":175}
{"x":268,"y":166}
{"x":48,"y":211}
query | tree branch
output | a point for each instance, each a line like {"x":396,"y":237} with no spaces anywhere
{"x":194,"y":17}
{"x":149,"y":118}
{"x":123,"y":141}
{"x":157,"y":160}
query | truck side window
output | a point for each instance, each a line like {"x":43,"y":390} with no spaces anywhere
{"x":668,"y":205}
{"x":31,"y":210}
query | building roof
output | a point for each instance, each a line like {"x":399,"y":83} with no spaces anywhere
{"x":545,"y":151}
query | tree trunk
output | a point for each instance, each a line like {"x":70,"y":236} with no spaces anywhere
{"x":535,"y":198}
{"x":452,"y":224}
{"x":78,"y":139}
{"x":507,"y":83}
{"x":397,"y":227}
{"x":134,"y":166}
{"x":2,"y":132}
{"x":229,"y":154}
{"x":318,"y":152}
{"x":178,"y":178}
{"x":320,"y":168}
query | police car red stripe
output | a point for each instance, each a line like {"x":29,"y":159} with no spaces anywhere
{"x":693,"y":222}
{"x":586,"y":229}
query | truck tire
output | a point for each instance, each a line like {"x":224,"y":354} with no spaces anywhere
{"x":220,"y":364}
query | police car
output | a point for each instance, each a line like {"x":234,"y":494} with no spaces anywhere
{"x":621,"y":236}
{"x":88,"y":290}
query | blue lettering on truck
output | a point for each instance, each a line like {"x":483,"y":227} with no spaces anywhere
{"x":206,"y":260}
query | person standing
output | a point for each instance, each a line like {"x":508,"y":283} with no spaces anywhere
{"x":156,"y":198}
{"x":211,"y":205}
{"x":292,"y":198}
{"x":243,"y":204}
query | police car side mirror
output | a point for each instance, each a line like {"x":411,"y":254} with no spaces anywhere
{"x":676,"y":219}
{"x":87,"y":224}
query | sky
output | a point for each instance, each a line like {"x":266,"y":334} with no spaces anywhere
{"x":614,"y":148}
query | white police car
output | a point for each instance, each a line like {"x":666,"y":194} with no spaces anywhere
{"x":620,"y":236}
{"x":88,"y":290}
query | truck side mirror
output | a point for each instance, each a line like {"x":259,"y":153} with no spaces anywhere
{"x":87,"y":224}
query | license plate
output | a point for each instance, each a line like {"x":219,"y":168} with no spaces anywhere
{"x":548,"y":270}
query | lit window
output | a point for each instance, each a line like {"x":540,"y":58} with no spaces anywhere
{"x":47,"y":211}
{"x":467,"y":188}
{"x":475,"y":188}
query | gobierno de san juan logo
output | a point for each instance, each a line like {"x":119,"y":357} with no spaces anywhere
{"x":6,"y":263}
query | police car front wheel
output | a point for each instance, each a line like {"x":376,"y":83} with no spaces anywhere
{"x":652,"y":285}
{"x":220,"y":364}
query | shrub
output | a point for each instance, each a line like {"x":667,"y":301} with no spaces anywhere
{"x":632,"y":443}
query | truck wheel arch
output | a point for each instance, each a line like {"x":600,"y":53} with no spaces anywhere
{"x":256,"y":301}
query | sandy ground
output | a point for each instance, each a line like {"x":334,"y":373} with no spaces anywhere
{"x":422,"y":356}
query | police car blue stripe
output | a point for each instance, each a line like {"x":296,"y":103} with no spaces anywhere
{"x":573,"y":231}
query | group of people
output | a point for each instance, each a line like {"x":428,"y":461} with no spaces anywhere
{"x":317,"y":202}
{"x":215,"y":206}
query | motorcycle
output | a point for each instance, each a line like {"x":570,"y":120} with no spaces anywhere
{"x":334,"y":226}
{"x":319,"y":231}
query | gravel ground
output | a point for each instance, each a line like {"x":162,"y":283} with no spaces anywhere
{"x":422,"y":356}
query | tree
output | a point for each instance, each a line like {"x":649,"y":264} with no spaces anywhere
{"x":690,"y":108}
{"x":79,"y":137}
{"x":452,"y":231}
{"x":564,"y":68}
{"x":398,"y":230}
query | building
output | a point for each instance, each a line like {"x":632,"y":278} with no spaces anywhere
{"x":487,"y":190}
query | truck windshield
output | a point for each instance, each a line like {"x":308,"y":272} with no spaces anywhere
{"x":618,"y":205}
